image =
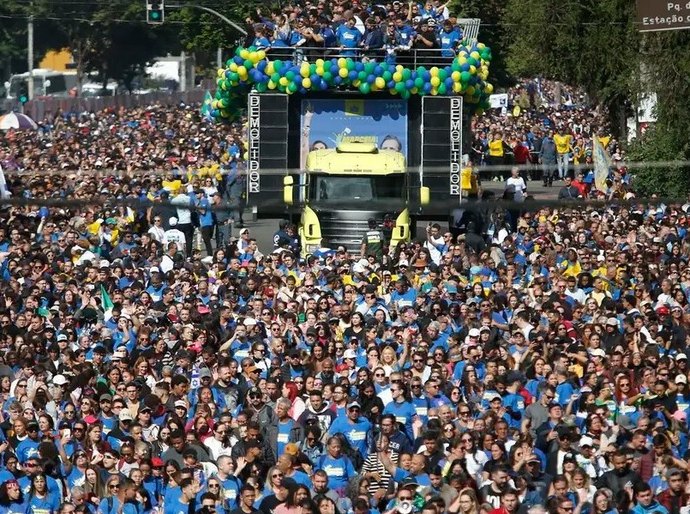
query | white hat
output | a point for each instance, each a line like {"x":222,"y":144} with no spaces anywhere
{"x":249,"y":322}
{"x":172,"y":221}
{"x":104,"y":263}
{"x":586,"y":441}
{"x":612,"y":321}
{"x":244,"y":230}
{"x":59,"y":380}
{"x":155,"y":269}
{"x":681,"y":379}
{"x":598,"y":352}
{"x":681,"y":357}
{"x":474,"y":332}
{"x":403,"y":262}
{"x":349,"y":354}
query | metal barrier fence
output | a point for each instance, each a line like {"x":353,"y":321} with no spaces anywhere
{"x":411,"y":58}
{"x":42,"y":108}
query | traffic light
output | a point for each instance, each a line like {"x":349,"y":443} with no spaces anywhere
{"x":23,"y":95}
{"x":155,"y":12}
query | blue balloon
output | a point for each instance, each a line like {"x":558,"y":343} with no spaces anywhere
{"x":427,"y":87}
{"x":323,"y":85}
{"x":359,"y":66}
{"x":261,"y":65}
{"x":238,"y":59}
{"x":334,"y":69}
{"x":426,"y":76}
{"x":371,"y":78}
{"x":353,"y":75}
{"x":448,"y":82}
{"x":465,"y":67}
{"x":378,"y":71}
{"x":315,"y":78}
{"x":337,"y":80}
{"x":391,"y":84}
{"x":409,"y":84}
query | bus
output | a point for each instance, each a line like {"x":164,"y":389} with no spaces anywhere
{"x":46,"y":83}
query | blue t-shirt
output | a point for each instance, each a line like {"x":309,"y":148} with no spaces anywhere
{"x":340,"y":471}
{"x":48,"y":505}
{"x":348,"y":37}
{"x":206,"y":217}
{"x":356,"y":433}
{"x":404,"y":413}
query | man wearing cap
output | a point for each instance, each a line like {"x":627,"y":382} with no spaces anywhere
{"x":356,"y":429}
{"x":120,"y":433}
{"x":257,"y":409}
{"x":29,"y":447}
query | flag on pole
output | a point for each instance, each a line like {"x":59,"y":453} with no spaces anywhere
{"x":207,"y":105}
{"x":602,"y":164}
{"x":106,"y":303}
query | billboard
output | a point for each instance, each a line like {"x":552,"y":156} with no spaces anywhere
{"x":325,"y":123}
{"x":654,"y":15}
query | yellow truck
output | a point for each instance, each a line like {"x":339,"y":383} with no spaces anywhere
{"x":341,"y":188}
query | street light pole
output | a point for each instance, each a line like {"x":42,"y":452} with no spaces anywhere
{"x":30,"y":54}
{"x":212,"y":11}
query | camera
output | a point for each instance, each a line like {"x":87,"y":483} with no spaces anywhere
{"x":405,"y":507}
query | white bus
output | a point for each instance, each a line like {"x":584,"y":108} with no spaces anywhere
{"x":46,"y":83}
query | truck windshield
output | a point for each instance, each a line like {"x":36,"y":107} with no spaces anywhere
{"x":328,"y":188}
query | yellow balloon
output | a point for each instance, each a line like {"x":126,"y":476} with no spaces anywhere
{"x":435,"y":81}
{"x":342,"y":72}
{"x":220,"y":73}
{"x":473,"y":70}
{"x":434,"y":71}
{"x":481,"y":46}
{"x":270,"y":69}
{"x":304,"y":70}
{"x":397,"y":76}
{"x":455,"y":76}
{"x":233,"y":67}
{"x":434,"y":92}
{"x":242,"y":71}
{"x":476,"y":55}
{"x":319,"y":63}
{"x":399,"y":68}
{"x":380,"y":83}
{"x":342,"y":63}
{"x":462,"y":60}
{"x":457,"y":87}
{"x":319,"y":71}
{"x":244,"y":54}
{"x":283,"y":81}
{"x":271,"y":84}
{"x":489,"y":89}
{"x":306,"y":83}
{"x":414,"y":90}
{"x":462,"y":53}
{"x":254,"y":57}
{"x":261,"y":54}
{"x":356,"y":83}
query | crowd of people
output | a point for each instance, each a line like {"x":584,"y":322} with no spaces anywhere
{"x":549,"y":129}
{"x":541,"y":367}
{"x":358,"y":29}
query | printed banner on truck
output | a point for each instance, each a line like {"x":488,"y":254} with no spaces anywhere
{"x":327,"y":123}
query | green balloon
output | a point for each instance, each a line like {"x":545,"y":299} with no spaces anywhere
{"x":261,"y":87}
{"x":228,"y":63}
{"x":400,"y":87}
{"x":292,"y":87}
{"x":290,"y":75}
{"x":248,"y":64}
{"x":419,"y":82}
{"x":465,"y":77}
{"x":406,"y":74}
{"x":312,"y":69}
{"x":365,"y":87}
{"x":349,"y":64}
{"x":275,"y":77}
{"x":472,"y":61}
{"x":455,"y":66}
{"x":369,"y":67}
{"x":405,"y":94}
{"x":277,"y":64}
{"x":387,"y":75}
{"x":327,"y":76}
{"x":362,"y":75}
{"x":238,"y":50}
{"x":234,"y":77}
{"x":442,"y":90}
{"x":442,"y":74}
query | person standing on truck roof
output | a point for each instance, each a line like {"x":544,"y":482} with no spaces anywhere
{"x":373,"y":241}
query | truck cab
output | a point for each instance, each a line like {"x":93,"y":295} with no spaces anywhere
{"x":342,"y":187}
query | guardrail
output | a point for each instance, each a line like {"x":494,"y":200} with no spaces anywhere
{"x":411,"y":58}
{"x":42,"y":108}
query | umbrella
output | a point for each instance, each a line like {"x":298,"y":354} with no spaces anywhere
{"x":15,"y":120}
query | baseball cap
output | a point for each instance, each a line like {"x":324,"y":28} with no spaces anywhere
{"x":681,"y":357}
{"x":598,"y":352}
{"x":59,"y":380}
{"x":350,"y":354}
{"x":474,"y":332}
{"x":126,"y":415}
{"x":681,"y":379}
{"x":181,"y":404}
{"x":612,"y":321}
{"x":586,"y":441}
{"x":354,"y":404}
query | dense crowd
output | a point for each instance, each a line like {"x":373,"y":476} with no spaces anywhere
{"x":377,"y":31}
{"x":549,"y":129}
{"x":539,"y":367}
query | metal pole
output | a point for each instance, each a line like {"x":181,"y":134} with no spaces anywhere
{"x":30,"y":54}
{"x":219,"y":58}
{"x":183,"y":72}
{"x":216,"y":13}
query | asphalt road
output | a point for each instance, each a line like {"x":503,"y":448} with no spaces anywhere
{"x":263,"y":229}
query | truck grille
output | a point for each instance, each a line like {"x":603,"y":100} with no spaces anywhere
{"x":346,"y":228}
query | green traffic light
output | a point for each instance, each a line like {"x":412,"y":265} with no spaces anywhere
{"x":155,"y":15}
{"x":23,"y":99}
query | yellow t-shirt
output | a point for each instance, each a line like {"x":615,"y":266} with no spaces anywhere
{"x":605,"y":141}
{"x":562,"y":143}
{"x":496,"y":148}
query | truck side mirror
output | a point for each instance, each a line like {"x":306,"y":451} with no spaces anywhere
{"x":424,"y":195}
{"x":287,"y":189}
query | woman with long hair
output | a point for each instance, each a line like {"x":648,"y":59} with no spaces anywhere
{"x":465,"y":503}
{"x":12,"y":498}
{"x":94,"y":444}
{"x":296,"y":494}
{"x":602,"y":502}
{"x":40,"y":499}
{"x":93,"y":485}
